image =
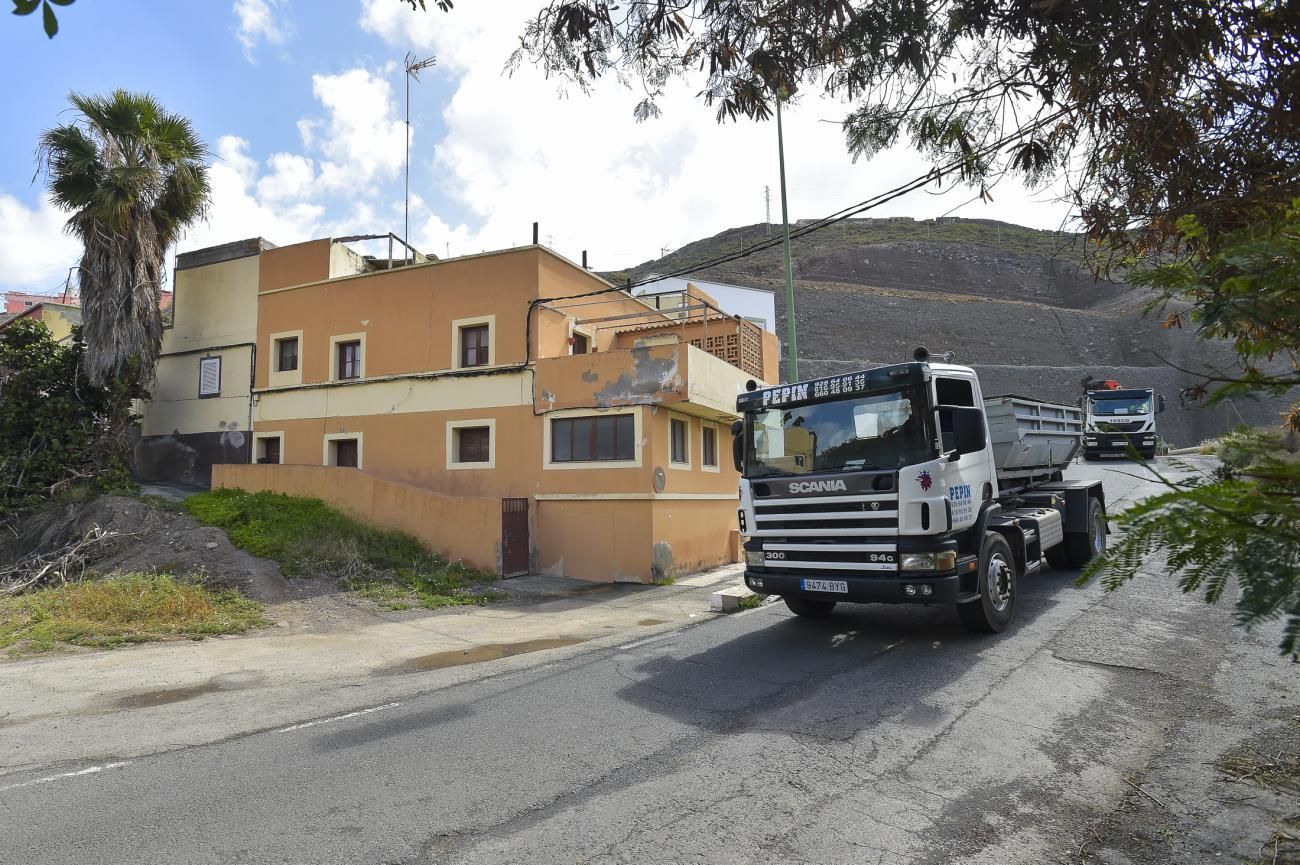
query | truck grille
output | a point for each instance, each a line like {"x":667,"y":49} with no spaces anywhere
{"x":833,"y":533}
{"x":1121,"y":426}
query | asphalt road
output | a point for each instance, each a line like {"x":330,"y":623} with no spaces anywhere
{"x":884,"y":734}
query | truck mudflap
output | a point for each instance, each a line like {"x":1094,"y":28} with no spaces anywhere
{"x":904,"y":588}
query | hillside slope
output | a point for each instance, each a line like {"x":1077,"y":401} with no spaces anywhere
{"x":1016,"y":303}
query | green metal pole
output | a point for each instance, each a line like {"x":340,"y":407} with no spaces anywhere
{"x":792,"y":345}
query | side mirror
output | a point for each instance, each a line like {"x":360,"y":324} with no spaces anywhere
{"x":1160,"y":403}
{"x":738,"y":445}
{"x":968,"y":433}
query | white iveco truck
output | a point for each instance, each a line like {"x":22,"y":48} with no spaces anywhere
{"x":903,"y":484}
{"x":1117,"y":420}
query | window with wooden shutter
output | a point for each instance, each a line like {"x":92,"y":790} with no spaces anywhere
{"x":473,"y":444}
{"x":209,"y":377}
{"x":345,"y":453}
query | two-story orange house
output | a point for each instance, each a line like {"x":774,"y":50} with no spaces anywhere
{"x":514,"y":375}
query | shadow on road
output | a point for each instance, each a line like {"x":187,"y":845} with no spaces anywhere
{"x":865,"y":662}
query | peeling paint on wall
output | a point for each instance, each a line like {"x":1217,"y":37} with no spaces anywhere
{"x":649,"y":377}
{"x":590,"y":376}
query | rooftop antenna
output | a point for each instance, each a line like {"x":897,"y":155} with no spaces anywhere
{"x":414,"y":67}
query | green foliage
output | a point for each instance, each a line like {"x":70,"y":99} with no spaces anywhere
{"x":309,"y":538}
{"x":1240,"y":522}
{"x":56,"y":428}
{"x":134,"y":177}
{"x":48,"y":19}
{"x":1241,"y":287}
{"x":1243,"y":521}
{"x":134,"y":608}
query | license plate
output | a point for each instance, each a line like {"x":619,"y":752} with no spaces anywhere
{"x":1119,"y":444}
{"x":824,"y":586}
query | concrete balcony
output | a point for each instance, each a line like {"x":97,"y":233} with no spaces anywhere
{"x":669,"y":373}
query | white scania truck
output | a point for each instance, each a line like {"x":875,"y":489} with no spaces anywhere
{"x":903,"y":484}
{"x":1117,"y":419}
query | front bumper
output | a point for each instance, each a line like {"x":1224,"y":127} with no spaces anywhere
{"x":1118,"y":443}
{"x":884,"y":589}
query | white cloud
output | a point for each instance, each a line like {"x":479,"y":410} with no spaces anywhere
{"x":239,"y":211}
{"x":33,"y":245}
{"x":517,"y":150}
{"x":291,"y":178}
{"x":363,"y":138}
{"x":258,"y":22}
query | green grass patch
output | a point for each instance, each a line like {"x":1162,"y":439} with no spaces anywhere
{"x":134,"y":608}
{"x":309,"y":538}
{"x":751,"y":602}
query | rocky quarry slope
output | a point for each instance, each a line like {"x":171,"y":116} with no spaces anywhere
{"x":1015,"y":303}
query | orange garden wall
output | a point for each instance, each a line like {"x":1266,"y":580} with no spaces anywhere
{"x":460,"y":527}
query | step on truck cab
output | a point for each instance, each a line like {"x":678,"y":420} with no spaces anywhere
{"x":1119,"y":420}
{"x":904,"y":484}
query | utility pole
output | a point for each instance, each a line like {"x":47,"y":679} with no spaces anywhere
{"x":663,"y":251}
{"x":792,"y":350}
{"x":767,"y":207}
{"x":413,"y":69}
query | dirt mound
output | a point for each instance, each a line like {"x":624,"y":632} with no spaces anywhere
{"x":147,"y":537}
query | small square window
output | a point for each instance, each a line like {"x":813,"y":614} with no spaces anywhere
{"x":581,"y":344}
{"x":286,"y":354}
{"x":473,"y":444}
{"x":345,"y":452}
{"x":677,"y":441}
{"x":709,"y":446}
{"x":268,"y":450}
{"x":474,"y":345}
{"x":349,"y":359}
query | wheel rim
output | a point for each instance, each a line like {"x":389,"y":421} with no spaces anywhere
{"x":998,"y":582}
{"x":1098,"y":534}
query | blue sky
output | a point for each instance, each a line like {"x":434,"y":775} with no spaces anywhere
{"x":300,"y":104}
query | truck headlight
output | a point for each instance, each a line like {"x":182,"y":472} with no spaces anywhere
{"x":754,"y":558}
{"x":944,"y":560}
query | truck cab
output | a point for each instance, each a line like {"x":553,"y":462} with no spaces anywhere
{"x":1119,"y":420}
{"x":896,"y":485}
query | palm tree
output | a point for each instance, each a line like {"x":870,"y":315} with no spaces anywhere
{"x":134,"y":177}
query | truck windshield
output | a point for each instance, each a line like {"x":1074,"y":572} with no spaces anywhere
{"x":1126,"y":406}
{"x":884,"y":430}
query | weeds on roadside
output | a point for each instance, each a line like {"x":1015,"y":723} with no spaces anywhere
{"x":134,"y":608}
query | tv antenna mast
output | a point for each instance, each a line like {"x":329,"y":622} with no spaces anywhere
{"x":414,"y":67}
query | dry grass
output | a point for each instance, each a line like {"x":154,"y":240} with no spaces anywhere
{"x":135,"y":608}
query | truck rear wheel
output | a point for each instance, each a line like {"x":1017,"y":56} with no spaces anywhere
{"x":996,"y":604}
{"x":1082,"y":547}
{"x":809,"y":608}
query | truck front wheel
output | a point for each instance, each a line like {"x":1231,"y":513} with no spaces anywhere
{"x":808,"y":608}
{"x":992,"y":611}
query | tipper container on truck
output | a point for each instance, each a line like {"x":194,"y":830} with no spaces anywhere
{"x":903,"y":484}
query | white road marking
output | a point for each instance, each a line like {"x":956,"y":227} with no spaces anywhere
{"x":88,"y":771}
{"x":337,"y":718}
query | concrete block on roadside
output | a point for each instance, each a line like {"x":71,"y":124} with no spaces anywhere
{"x":728,"y":600}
